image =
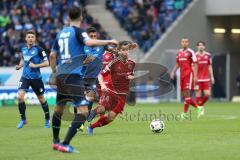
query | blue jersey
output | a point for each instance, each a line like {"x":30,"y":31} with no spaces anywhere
{"x":36,"y":55}
{"x":93,"y":69}
{"x":69,"y":47}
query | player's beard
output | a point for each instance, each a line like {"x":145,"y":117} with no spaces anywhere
{"x":123,"y":57}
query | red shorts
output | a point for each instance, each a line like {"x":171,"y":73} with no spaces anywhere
{"x":204,"y":85}
{"x":113,"y":102}
{"x":187,"y":82}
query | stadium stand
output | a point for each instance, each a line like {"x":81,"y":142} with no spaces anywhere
{"x":146,"y":20}
{"x":46,"y":17}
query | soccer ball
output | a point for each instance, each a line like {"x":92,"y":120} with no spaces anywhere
{"x":157,"y":126}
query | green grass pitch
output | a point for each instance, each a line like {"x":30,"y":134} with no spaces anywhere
{"x":216,"y":136}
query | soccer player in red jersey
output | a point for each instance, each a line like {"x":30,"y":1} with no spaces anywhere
{"x":187,"y":62}
{"x":108,"y":57}
{"x":114,"y":81}
{"x":205,"y":74}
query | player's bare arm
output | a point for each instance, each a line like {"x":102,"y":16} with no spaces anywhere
{"x":210,"y":68}
{"x":195,"y":71}
{"x":40,"y":65}
{"x":101,"y":82}
{"x":53,"y":61}
{"x":175,"y":68}
{"x":20,"y":65}
{"x":130,"y":77}
{"x":96,"y":42}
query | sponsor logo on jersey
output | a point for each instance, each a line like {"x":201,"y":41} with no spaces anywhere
{"x":27,"y":58}
{"x":130,"y":66}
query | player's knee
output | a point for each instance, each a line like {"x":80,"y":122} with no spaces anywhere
{"x":112,"y":116}
{"x":59,"y":109}
{"x":83,"y":111}
{"x":58,"y":114}
{"x":186,"y":93}
{"x":101,"y":109}
{"x":20,"y":98}
{"x":41,"y":99}
{"x":198,"y":94}
{"x":207,"y":95}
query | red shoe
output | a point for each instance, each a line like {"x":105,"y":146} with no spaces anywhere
{"x":55,"y":146}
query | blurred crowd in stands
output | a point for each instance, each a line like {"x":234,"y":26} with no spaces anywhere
{"x":146,"y":20}
{"x":46,"y":17}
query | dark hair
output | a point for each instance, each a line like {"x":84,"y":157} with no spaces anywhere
{"x":30,"y":32}
{"x":185,"y":38}
{"x":74,"y":13}
{"x":201,"y":42}
{"x":123,"y":43}
{"x":91,"y":29}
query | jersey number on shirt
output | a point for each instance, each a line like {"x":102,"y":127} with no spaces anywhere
{"x":63,"y":45}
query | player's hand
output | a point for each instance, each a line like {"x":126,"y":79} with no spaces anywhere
{"x":18,"y":67}
{"x":52,"y":79}
{"x":212,"y":80}
{"x":172,"y":75}
{"x":32,"y":65}
{"x":195,"y":80}
{"x":196,"y":87}
{"x":113,"y":41}
{"x":130,"y":77}
{"x":133,"y":46}
{"x":104,"y":87}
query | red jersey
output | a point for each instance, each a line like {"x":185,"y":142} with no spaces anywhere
{"x":203,"y":61}
{"x":118,"y":72}
{"x":185,"y":59}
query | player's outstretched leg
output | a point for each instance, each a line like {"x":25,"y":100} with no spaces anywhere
{"x":102,"y":121}
{"x":77,"y":122}
{"x":45,"y":109}
{"x":97,"y":110}
{"x":22,"y":109}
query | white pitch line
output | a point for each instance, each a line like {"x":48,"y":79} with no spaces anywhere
{"x":227,"y":117}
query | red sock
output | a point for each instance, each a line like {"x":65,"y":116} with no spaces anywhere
{"x":204,"y":99}
{"x":199,"y":100}
{"x":191,"y":102}
{"x":102,"y":121}
{"x":185,"y":108}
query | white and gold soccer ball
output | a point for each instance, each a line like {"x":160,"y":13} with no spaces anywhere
{"x":157,"y":126}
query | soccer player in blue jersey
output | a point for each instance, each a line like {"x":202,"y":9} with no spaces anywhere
{"x":92,"y":68}
{"x":66,"y":60}
{"x":33,"y":58}
{"x":94,"y":65}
